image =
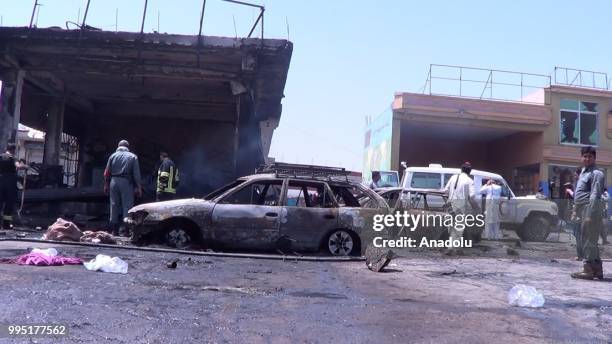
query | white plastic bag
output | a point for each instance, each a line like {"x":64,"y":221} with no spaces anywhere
{"x":51,"y":252}
{"x":105,"y":263}
{"x":525,"y":296}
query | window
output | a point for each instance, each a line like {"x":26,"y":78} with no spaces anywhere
{"x":352,"y":196}
{"x":425,"y":180}
{"x":391,"y":198}
{"x":388,"y":179}
{"x":220,"y":191}
{"x":265,"y":192}
{"x":447,"y":177}
{"x":578,"y":122}
{"x":308,"y":195}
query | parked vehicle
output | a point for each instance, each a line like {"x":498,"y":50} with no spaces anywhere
{"x":387,"y":179}
{"x":532,"y":219}
{"x":283,"y":206}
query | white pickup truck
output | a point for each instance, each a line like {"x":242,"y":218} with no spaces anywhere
{"x":532,"y":219}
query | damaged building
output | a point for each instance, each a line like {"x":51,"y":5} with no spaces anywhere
{"x":211,"y":102}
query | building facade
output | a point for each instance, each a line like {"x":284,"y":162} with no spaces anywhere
{"x":533,"y":144}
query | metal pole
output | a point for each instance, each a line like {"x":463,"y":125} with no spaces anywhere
{"x":521,"y":86}
{"x":85,"y":15}
{"x":116,"y":19}
{"x":491,"y":89}
{"x":460,"y":77}
{"x":157,"y":21}
{"x":33,"y":12}
{"x":200,"y":31}
{"x":144,"y":16}
{"x":430,"y":79}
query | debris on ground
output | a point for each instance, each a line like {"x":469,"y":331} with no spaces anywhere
{"x":511,"y":252}
{"x":446,"y":273}
{"x":41,"y":259}
{"x":106,"y":263}
{"x":63,"y":230}
{"x":378,"y":258}
{"x":172,"y":264}
{"x":525,"y":296}
{"x":98,"y":237}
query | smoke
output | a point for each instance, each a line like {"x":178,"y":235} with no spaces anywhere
{"x":200,"y":174}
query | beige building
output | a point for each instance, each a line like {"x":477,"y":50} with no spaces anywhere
{"x":532,"y":144}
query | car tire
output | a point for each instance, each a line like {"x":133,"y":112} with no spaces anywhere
{"x":535,"y":228}
{"x":341,"y":242}
{"x":178,"y":236}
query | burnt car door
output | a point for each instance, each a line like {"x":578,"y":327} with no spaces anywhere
{"x":249,"y":217}
{"x":309,"y":213}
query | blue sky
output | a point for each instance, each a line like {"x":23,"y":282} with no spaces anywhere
{"x":351,"y":56}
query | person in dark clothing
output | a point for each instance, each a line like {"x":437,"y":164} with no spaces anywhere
{"x":167,"y":178}
{"x":121,"y":182}
{"x":588,"y":210}
{"x":8,"y":185}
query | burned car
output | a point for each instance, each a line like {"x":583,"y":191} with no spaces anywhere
{"x":282,"y":206}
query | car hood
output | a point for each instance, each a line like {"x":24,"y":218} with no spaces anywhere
{"x":169,"y":205}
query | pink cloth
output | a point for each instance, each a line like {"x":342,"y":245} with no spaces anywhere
{"x":44,"y":260}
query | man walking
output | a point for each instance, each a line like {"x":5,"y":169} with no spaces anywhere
{"x":8,"y":185}
{"x":462,"y":198}
{"x":167,"y":178}
{"x":121,"y":182}
{"x":588,"y":210}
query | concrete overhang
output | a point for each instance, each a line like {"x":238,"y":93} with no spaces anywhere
{"x":106,"y":73}
{"x":471,"y":112}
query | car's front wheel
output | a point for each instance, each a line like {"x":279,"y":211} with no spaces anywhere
{"x":178,"y":236}
{"x":341,"y":243}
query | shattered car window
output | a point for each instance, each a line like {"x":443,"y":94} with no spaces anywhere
{"x":220,"y":191}
{"x":391,"y":198}
{"x":352,"y":196}
{"x":257,"y":193}
{"x":307,"y":194}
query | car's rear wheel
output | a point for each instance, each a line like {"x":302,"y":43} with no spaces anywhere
{"x":341,"y":243}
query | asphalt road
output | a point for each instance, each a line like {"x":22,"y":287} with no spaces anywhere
{"x":422,"y":297}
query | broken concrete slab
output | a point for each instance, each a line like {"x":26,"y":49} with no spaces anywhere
{"x":378,"y":258}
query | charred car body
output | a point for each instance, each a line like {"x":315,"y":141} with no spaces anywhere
{"x":282,"y":206}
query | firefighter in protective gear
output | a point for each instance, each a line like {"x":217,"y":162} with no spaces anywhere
{"x":8,"y":185}
{"x":167,"y":178}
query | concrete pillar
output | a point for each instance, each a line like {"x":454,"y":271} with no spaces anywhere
{"x":396,"y":125}
{"x":53,"y":133}
{"x":10,"y":105}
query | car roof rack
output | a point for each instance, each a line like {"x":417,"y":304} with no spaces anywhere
{"x":281,"y":169}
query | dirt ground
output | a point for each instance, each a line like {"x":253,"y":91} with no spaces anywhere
{"x":422,"y":297}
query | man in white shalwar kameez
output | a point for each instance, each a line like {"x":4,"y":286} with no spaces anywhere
{"x":462,"y":198}
{"x":492,"y":191}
